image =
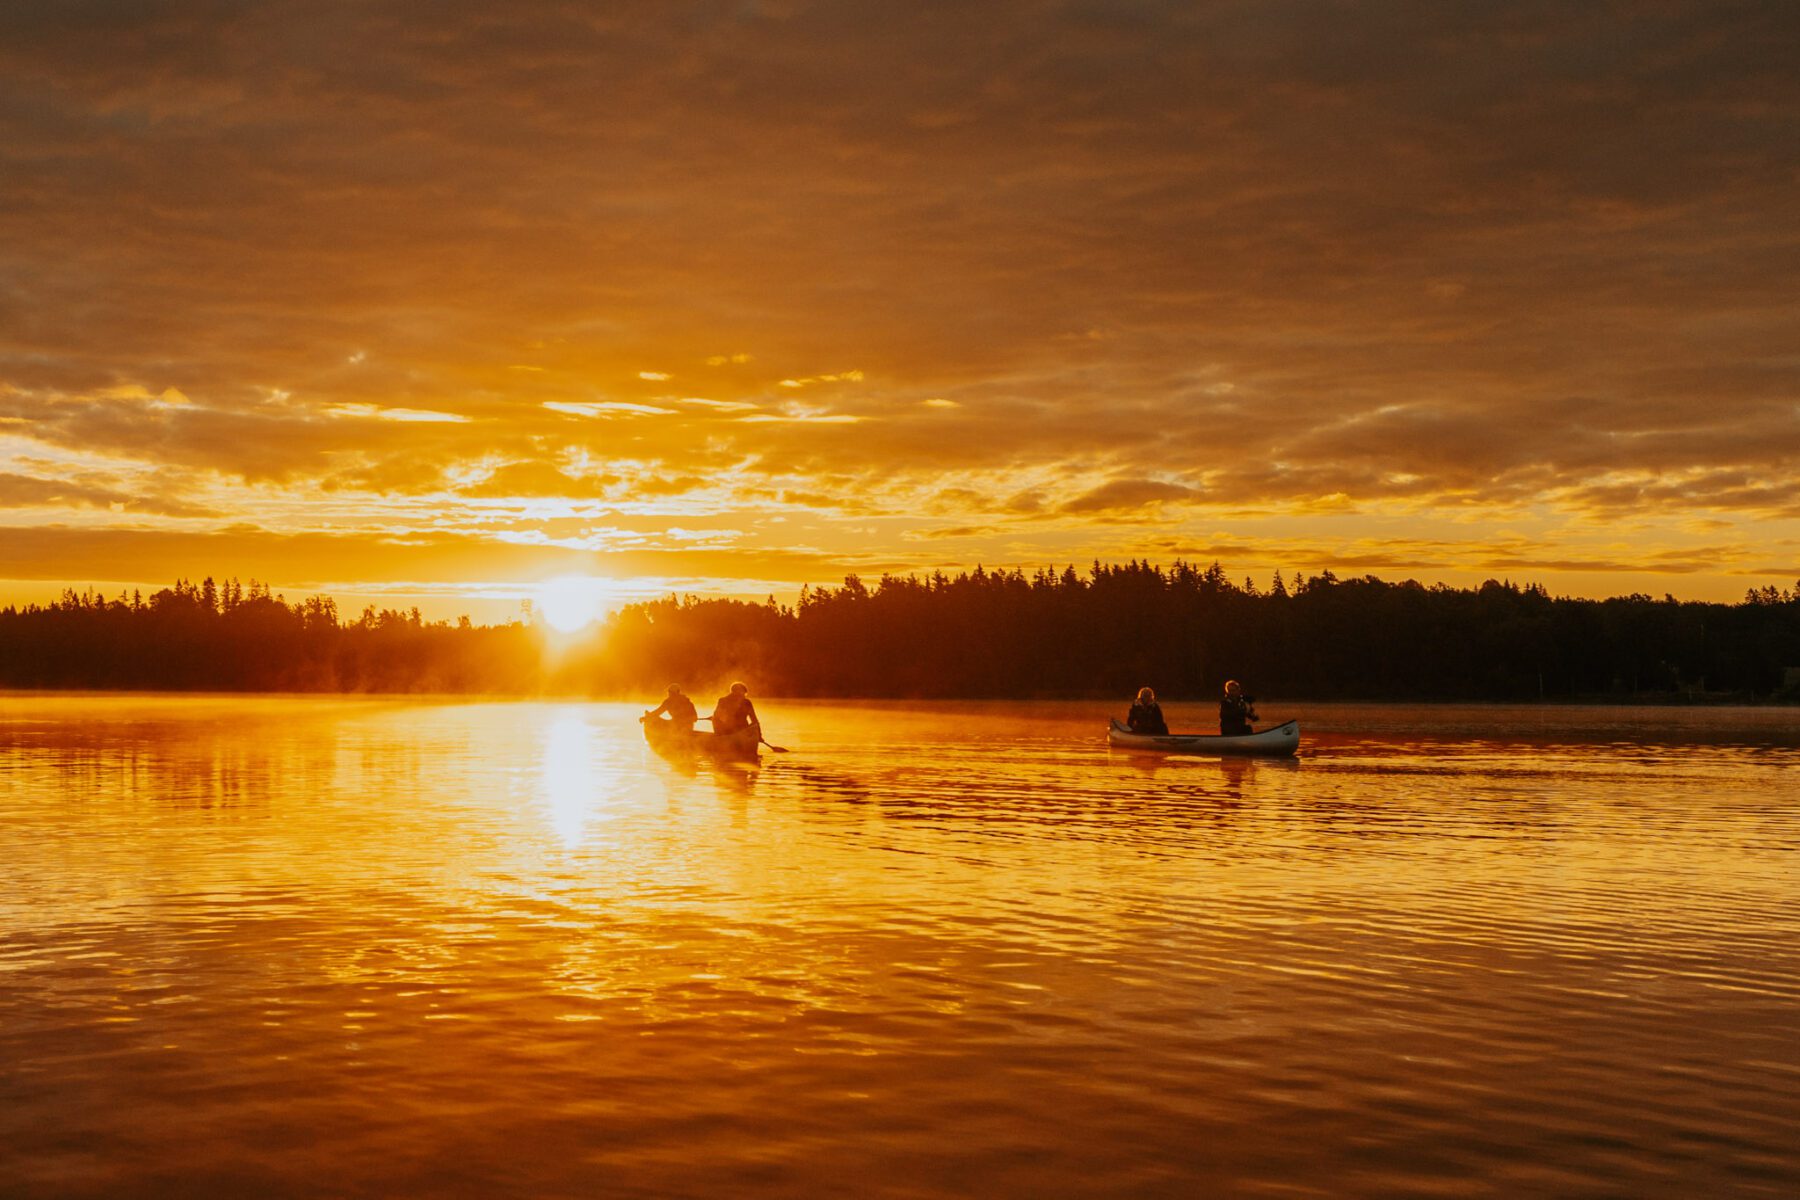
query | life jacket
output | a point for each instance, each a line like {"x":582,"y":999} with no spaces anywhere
{"x":1234,"y":715}
{"x":1146,"y":718}
{"x":731,"y":713}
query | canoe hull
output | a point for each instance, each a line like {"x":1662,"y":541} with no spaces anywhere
{"x":1277,"y":741}
{"x":664,"y":738}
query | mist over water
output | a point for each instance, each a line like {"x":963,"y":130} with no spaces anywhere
{"x":301,"y":947}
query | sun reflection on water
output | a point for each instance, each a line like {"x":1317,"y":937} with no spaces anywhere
{"x":574,"y":782}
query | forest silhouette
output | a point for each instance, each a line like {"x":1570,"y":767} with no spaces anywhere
{"x":1103,"y":632}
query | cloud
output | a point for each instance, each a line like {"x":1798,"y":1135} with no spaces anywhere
{"x":1129,"y":494}
{"x":30,"y":491}
{"x":806,"y":418}
{"x":949,"y":531}
{"x":719,"y":405}
{"x":378,"y":413}
{"x":810,"y":380}
{"x":529,"y":479}
{"x":302,"y":561}
{"x":1420,"y":263}
{"x":606,"y":408}
{"x":657,"y":485}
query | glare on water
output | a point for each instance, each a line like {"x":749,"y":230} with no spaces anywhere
{"x":302,"y":947}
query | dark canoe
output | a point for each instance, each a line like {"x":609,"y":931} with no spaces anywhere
{"x":664,"y":738}
{"x":1277,"y":741}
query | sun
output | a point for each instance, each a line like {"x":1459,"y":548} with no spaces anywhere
{"x":571,"y":602}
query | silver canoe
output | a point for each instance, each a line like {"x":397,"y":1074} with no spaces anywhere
{"x":1277,"y":740}
{"x":665,"y":739}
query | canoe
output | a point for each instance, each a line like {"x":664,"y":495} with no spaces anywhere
{"x":664,"y":738}
{"x":1277,"y":740}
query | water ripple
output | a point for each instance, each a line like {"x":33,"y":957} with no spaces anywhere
{"x":291,"y":948}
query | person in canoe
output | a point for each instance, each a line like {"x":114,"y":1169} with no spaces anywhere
{"x":734,"y":711}
{"x":1236,"y":711}
{"x":1146,"y":714}
{"x":679,"y":709}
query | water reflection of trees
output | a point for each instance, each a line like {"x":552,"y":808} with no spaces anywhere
{"x":1000,"y":633}
{"x":216,"y":764}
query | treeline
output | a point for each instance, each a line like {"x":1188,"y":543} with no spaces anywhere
{"x":1104,"y":632}
{"x":232,"y":637}
{"x":1185,"y":630}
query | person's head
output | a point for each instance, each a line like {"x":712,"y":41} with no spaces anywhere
{"x":1233,"y":688}
{"x":674,"y":689}
{"x":1146,"y":696}
{"x":738,"y":689}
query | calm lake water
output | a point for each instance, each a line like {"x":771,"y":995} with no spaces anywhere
{"x":304,"y":947}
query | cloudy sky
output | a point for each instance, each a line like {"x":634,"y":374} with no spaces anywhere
{"x":402,"y":301}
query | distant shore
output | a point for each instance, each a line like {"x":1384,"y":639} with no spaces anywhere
{"x":1102,"y":634}
{"x":649,"y":699}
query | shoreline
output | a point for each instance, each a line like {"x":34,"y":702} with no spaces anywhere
{"x":1649,"y":701}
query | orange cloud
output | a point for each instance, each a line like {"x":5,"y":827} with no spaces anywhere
{"x":1070,"y":282}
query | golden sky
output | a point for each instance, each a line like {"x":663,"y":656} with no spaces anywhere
{"x":431,"y":301}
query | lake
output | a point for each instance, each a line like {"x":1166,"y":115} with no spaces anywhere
{"x":271,"y":947}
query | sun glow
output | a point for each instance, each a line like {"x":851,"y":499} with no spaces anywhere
{"x":571,"y":602}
